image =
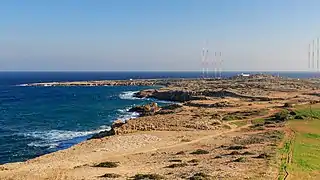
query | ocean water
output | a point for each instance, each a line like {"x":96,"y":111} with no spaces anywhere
{"x":39,"y":120}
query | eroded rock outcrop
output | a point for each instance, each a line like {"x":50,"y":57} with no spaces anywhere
{"x":169,"y":95}
{"x":146,"y":110}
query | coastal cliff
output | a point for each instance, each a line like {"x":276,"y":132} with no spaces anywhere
{"x":220,"y":129}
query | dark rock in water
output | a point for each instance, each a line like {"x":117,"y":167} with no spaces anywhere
{"x":146,"y":110}
{"x":117,"y":123}
{"x":113,"y":131}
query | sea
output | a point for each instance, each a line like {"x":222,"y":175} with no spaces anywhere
{"x":40,"y":120}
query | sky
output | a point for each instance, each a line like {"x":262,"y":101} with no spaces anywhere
{"x":156,"y":35}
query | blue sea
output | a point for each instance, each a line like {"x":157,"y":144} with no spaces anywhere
{"x":39,"y":120}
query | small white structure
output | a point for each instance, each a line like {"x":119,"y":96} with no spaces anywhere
{"x":244,"y":75}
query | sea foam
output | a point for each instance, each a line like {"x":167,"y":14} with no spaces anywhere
{"x":55,"y":138}
{"x":128,"y":95}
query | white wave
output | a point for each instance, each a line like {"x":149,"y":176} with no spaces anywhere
{"x":129,"y":95}
{"x":44,"y":144}
{"x":129,"y":115}
{"x":53,"y":138}
{"x":124,"y":114}
{"x":23,"y":85}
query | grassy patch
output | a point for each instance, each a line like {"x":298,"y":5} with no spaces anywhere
{"x":312,"y":111}
{"x":306,"y":152}
{"x":311,"y":135}
{"x":107,"y":164}
{"x":200,"y":151}
{"x":284,"y":154}
{"x":240,"y":123}
{"x":282,"y":116}
{"x":258,"y":121}
{"x":232,"y":117}
{"x":147,"y":176}
{"x":304,"y":145}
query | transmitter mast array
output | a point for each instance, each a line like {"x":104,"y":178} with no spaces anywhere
{"x":216,"y":63}
{"x":314,"y":56}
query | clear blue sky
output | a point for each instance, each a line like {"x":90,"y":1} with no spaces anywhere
{"x":156,"y":34}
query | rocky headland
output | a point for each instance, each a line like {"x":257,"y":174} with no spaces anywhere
{"x":216,"y":129}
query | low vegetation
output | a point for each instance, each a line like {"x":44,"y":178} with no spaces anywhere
{"x":200,"y":151}
{"x":263,"y":156}
{"x":258,"y":121}
{"x":273,"y":136}
{"x":200,"y":176}
{"x":107,"y":164}
{"x":236,"y":147}
{"x":110,"y":175}
{"x":247,"y":153}
{"x":177,"y":165}
{"x":240,"y":115}
{"x":194,"y":161}
{"x":180,"y":153}
{"x":147,"y":177}
{"x":301,"y":149}
{"x":240,"y":159}
{"x":240,"y":123}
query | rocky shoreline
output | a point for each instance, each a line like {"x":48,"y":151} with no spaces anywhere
{"x":218,"y":129}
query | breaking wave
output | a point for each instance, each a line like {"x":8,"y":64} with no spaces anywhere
{"x":58,"y":138}
{"x":129,"y":95}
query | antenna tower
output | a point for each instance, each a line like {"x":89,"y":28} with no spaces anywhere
{"x":309,"y":56}
{"x":220,"y":65}
{"x":204,"y":56}
{"x":318,"y":54}
{"x":215,"y":64}
{"x":313,"y":49}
